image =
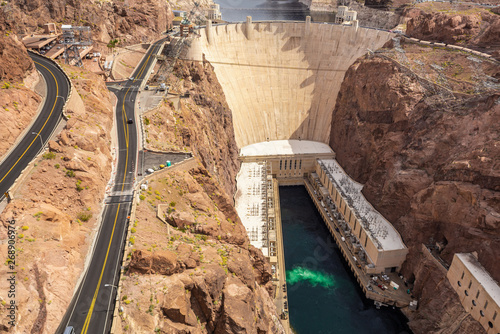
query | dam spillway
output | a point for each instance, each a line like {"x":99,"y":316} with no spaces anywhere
{"x":281,"y":79}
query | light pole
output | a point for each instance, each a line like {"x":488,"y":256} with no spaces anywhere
{"x":62,"y":97}
{"x":111,"y":285}
{"x":41,"y":141}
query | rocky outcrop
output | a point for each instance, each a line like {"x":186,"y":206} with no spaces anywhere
{"x":201,"y":123}
{"x":17,"y":101}
{"x":15,"y":64}
{"x":478,"y":30}
{"x":428,"y":164}
{"x":162,"y":262}
{"x":375,"y":17}
{"x":202,"y":275}
{"x":130,"y":22}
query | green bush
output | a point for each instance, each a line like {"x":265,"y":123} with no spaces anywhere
{"x":70,"y":173}
{"x":146,"y":121}
{"x":142,"y":197}
{"x":84,"y":216}
{"x":49,"y":155}
{"x":57,"y":166}
{"x":172,"y":204}
{"x":78,"y":185}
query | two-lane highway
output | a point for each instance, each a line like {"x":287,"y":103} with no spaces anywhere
{"x":92,"y":306}
{"x":57,"y":93}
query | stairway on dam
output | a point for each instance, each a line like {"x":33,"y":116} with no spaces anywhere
{"x":281,"y":79}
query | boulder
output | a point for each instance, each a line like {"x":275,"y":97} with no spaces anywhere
{"x":176,"y":306}
{"x":159,"y":262}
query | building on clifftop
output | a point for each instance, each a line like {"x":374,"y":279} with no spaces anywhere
{"x":346,"y":16}
{"x":478,"y":292}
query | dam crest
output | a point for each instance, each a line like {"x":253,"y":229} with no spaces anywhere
{"x":281,"y":79}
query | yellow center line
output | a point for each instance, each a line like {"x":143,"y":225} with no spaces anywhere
{"x":55,"y":102}
{"x":124,"y":114}
{"x":89,"y":315}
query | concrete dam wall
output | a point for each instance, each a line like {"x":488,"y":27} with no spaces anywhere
{"x":281,"y":79}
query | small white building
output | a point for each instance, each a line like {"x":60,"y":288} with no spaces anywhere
{"x":346,"y":16}
{"x":213,"y":13}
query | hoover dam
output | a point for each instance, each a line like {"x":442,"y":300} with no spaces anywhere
{"x":281,"y":79}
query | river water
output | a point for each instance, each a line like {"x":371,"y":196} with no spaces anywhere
{"x":263,"y":10}
{"x":323,"y":295}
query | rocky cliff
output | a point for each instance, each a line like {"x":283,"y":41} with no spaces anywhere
{"x":18,"y":77}
{"x":429,"y":161}
{"x":201,"y":122}
{"x":56,"y":210}
{"x":474,"y":28}
{"x":129,"y":21}
{"x":190,"y":250}
{"x":195,"y":264}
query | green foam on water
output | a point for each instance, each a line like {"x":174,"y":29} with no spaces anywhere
{"x":315,"y":278}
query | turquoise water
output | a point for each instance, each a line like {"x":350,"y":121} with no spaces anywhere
{"x":323,"y":296}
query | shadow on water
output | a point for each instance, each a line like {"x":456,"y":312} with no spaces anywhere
{"x":323,"y":294}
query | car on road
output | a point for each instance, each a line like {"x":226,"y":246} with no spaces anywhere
{"x":69,"y":330}
{"x":130,"y":121}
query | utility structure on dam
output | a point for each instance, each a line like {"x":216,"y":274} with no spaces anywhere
{"x":281,"y":81}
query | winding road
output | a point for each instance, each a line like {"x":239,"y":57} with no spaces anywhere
{"x":92,"y":306}
{"x":42,"y":128}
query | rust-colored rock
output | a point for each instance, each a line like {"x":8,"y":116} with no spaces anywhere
{"x":159,"y":262}
{"x":480,"y":30}
{"x":430,"y":166}
{"x":131,"y":23}
{"x":203,"y":124}
{"x":176,"y":306}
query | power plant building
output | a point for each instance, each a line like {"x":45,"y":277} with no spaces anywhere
{"x":378,"y":245}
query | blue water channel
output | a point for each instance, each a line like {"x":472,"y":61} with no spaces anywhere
{"x":323,"y":295}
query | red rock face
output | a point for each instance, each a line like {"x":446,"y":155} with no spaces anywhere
{"x":15,"y":64}
{"x":479,"y":30}
{"x":130,"y":21}
{"x":429,"y":165}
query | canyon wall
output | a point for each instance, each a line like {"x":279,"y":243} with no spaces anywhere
{"x":201,"y":273}
{"x":475,"y":28}
{"x":129,"y":21}
{"x":429,"y":162}
{"x":202,"y":123}
{"x":18,"y":76}
{"x":281,"y":79}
